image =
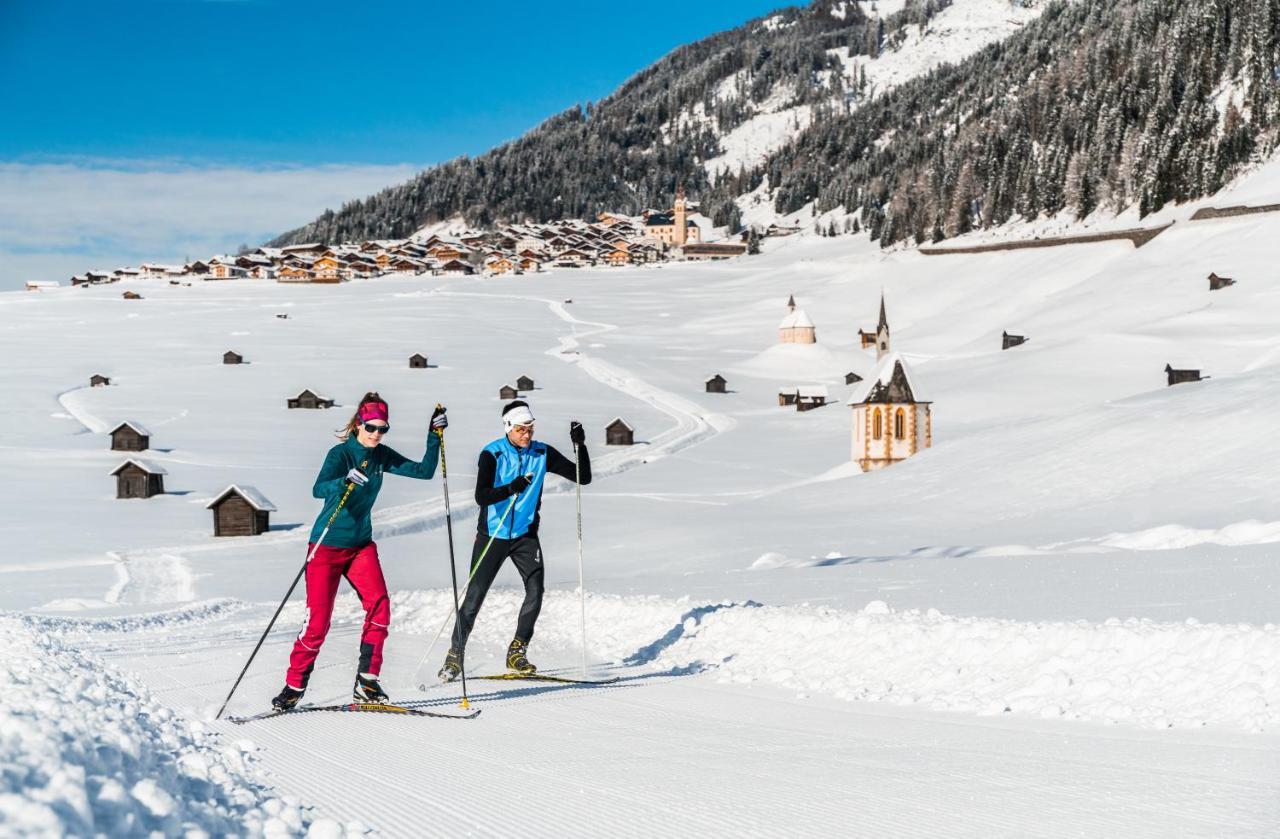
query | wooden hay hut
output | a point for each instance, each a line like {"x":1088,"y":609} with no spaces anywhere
{"x":619,"y":433}
{"x":240,"y":511}
{"x":130,"y":437}
{"x":1177,"y":377}
{"x":131,"y":295}
{"x":524,"y":383}
{"x":787,"y":395}
{"x":716,"y":384}
{"x":852,"y":378}
{"x":137,"y":478}
{"x":507,"y":392}
{"x":809,"y":397}
{"x":1216,"y":282}
{"x":309,"y":399}
{"x":232,"y":357}
{"x":98,"y":380}
{"x":1007,"y":340}
{"x":418,"y":361}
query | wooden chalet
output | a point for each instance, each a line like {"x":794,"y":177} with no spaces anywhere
{"x":130,"y":437}
{"x":1007,"y":340}
{"x":524,"y":383}
{"x":716,"y":384}
{"x":455,"y":268}
{"x":294,"y":274}
{"x":809,"y":397}
{"x":507,"y":392}
{"x":698,"y":251}
{"x":618,"y":257}
{"x":866,"y":339}
{"x":232,"y":357}
{"x":619,"y":433}
{"x":325,"y":269}
{"x":240,"y":511}
{"x":418,"y":361}
{"x":98,"y":380}
{"x":1177,"y":377}
{"x":309,"y":399}
{"x":787,"y":395}
{"x":136,"y":478}
{"x":1216,"y":282}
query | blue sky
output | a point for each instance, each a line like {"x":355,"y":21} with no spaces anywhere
{"x":161,"y":130}
{"x":255,"y":81}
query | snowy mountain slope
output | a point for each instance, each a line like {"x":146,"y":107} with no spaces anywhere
{"x":1082,"y":545}
{"x":953,"y":34}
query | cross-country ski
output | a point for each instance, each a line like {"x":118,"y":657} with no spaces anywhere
{"x":356,"y":707}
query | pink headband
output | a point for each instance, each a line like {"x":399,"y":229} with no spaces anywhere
{"x":375,"y":410}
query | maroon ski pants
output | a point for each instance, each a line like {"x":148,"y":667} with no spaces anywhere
{"x":363,"y":572}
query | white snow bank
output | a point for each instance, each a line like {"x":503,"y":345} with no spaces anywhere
{"x":86,"y":751}
{"x":1174,"y":536}
{"x":1137,"y":672}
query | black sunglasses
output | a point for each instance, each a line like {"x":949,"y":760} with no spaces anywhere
{"x":376,"y":429}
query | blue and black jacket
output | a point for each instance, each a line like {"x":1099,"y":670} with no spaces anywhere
{"x":500,"y":464}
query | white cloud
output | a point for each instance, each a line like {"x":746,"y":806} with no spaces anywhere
{"x":62,"y":218}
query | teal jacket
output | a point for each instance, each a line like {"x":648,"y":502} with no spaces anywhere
{"x":353,"y":528}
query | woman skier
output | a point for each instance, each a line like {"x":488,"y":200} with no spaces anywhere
{"x":509,"y":492}
{"x":358,"y":463}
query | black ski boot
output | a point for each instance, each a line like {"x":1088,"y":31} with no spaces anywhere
{"x":367,"y":690}
{"x":516,"y":659}
{"x":287,"y":699}
{"x":452,"y":668}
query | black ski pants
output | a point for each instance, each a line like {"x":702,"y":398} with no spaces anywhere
{"x":526,"y":553}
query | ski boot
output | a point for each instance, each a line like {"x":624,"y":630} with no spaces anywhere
{"x":452,"y":668}
{"x":287,"y":699}
{"x":367,"y":690}
{"x":516,"y":659}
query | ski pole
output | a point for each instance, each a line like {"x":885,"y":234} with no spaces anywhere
{"x":311,"y":555}
{"x":453,"y":566}
{"x":456,"y":603}
{"x":582,"y":586}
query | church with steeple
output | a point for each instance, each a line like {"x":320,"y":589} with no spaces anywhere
{"x":674,"y":228}
{"x":891,"y":420}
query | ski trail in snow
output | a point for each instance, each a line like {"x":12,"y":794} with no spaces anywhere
{"x":70,"y":402}
{"x":693,"y":422}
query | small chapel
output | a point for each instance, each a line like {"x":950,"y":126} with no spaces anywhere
{"x":796,"y":327}
{"x":891,"y":421}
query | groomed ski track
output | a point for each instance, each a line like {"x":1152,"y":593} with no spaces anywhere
{"x":670,"y":754}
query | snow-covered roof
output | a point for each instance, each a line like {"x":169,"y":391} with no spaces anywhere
{"x":797,"y":319}
{"x":875,"y":388}
{"x":812,"y":391}
{"x":251,"y":494}
{"x":145,"y":465}
{"x":131,"y":424}
{"x":307,"y":390}
{"x":617,"y":420}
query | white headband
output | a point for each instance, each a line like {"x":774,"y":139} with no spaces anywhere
{"x":519,"y":415}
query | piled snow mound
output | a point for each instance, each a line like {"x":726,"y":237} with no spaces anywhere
{"x":87,"y":752}
{"x":802,"y":363}
{"x":1133,"y":671}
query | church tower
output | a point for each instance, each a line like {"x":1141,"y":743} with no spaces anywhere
{"x":681,"y":213}
{"x":882,"y":332}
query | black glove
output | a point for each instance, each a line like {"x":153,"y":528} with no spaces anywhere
{"x":576,"y":435}
{"x":520,"y":484}
{"x":439,"y":419}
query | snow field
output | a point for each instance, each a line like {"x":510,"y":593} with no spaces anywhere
{"x":85,"y":750}
{"x":1136,"y":672}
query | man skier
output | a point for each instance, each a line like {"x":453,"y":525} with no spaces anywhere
{"x":509,"y":492}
